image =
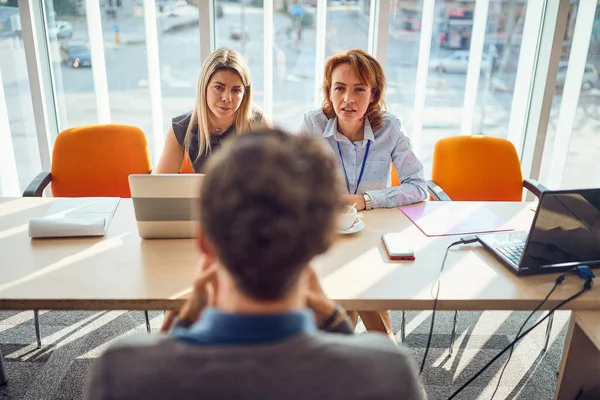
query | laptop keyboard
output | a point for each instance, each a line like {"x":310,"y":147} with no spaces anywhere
{"x":513,"y":252}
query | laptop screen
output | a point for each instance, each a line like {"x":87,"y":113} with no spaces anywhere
{"x":566,"y":229}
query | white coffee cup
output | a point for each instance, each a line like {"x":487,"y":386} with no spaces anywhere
{"x":347,"y":218}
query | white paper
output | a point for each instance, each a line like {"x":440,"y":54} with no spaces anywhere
{"x":75,"y":217}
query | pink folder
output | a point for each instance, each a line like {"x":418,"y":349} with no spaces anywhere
{"x":441,"y":218}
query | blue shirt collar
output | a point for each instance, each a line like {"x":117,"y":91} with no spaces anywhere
{"x":332,"y":130}
{"x":219,"y":328}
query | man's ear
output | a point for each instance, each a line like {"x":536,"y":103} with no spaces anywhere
{"x":203,"y":244}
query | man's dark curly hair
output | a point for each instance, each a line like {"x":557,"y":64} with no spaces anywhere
{"x":268,"y":205}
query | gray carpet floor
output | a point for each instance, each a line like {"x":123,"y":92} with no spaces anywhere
{"x":72,"y":340}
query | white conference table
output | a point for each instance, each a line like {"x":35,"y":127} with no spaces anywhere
{"x":122,"y":271}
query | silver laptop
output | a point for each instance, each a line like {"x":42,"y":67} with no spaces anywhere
{"x":166,"y":206}
{"x":565,"y":233}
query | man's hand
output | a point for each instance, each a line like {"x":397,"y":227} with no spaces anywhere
{"x":317,"y":300}
{"x":203,"y":295}
{"x":350,"y":199}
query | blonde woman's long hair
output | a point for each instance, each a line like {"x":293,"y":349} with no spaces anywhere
{"x":223,"y":59}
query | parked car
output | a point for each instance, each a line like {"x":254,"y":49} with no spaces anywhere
{"x":590,"y":76}
{"x":236,"y":33}
{"x":458,"y":62}
{"x":60,"y":30}
{"x":75,"y":54}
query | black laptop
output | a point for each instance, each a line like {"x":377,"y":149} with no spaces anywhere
{"x":565,"y":233}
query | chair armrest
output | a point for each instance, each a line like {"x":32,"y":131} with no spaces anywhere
{"x":37,"y":185}
{"x":534,"y":187}
{"x":437,"y":192}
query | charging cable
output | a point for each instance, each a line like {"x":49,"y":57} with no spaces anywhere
{"x":436,"y":284}
{"x":558,"y":281}
{"x":583,"y":272}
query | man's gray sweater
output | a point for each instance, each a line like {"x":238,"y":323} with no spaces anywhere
{"x":318,"y":365}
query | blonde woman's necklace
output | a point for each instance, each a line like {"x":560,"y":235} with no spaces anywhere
{"x":217,"y":131}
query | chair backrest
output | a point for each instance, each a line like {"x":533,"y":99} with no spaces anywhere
{"x":96,"y":160}
{"x":186,"y":166}
{"x":477,"y":168}
{"x":395,"y":179}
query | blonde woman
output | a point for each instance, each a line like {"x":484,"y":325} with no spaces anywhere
{"x":223,"y":109}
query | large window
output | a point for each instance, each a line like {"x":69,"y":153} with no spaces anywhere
{"x":451,"y":67}
{"x":571,"y":153}
{"x":124,"y":37}
{"x":296,"y":89}
{"x":179,"y":55}
{"x":347,"y":26}
{"x":240,"y":26}
{"x":19,"y":154}
{"x":448,"y":90}
{"x":118,"y":90}
{"x":294,"y":47}
{"x":71,"y":62}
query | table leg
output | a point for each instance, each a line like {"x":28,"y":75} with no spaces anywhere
{"x":2,"y":373}
{"x":580,"y":364}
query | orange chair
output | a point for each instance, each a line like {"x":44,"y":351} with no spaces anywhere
{"x":93,"y":161}
{"x":395,"y":179}
{"x":186,"y":166}
{"x":479,"y":168}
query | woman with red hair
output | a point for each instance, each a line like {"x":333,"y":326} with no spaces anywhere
{"x":366,"y":141}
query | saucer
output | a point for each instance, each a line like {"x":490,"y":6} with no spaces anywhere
{"x":357,"y":227}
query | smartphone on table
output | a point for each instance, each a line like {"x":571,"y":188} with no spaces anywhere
{"x":397,"y":247}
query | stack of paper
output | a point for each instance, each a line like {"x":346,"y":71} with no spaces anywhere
{"x":69,"y":217}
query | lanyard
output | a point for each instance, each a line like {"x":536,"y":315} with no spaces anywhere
{"x":362,"y":169}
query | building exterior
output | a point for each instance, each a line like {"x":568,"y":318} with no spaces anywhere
{"x":113,"y":8}
{"x":10,"y":23}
